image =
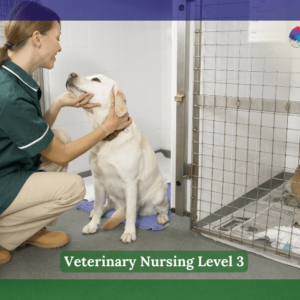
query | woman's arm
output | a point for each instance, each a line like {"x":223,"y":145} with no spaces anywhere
{"x":51,"y":114}
{"x":66,"y":99}
{"x":63,"y":153}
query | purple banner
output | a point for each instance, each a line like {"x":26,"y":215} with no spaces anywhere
{"x":142,"y":10}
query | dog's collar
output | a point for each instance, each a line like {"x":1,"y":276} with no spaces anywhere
{"x":113,"y":135}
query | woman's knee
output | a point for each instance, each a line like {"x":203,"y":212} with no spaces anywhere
{"x":74,"y":192}
{"x":62,"y":136}
{"x":79,"y":187}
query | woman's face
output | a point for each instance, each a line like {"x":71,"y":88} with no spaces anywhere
{"x":50,"y":46}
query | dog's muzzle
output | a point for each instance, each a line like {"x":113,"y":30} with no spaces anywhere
{"x":70,"y":80}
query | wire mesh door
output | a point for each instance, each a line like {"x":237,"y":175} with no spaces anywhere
{"x":246,"y":138}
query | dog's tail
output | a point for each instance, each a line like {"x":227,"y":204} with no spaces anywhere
{"x":117,"y":218}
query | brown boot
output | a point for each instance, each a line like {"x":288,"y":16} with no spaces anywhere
{"x":48,"y":239}
{"x":5,"y":256}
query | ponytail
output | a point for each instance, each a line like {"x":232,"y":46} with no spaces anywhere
{"x":3,"y":55}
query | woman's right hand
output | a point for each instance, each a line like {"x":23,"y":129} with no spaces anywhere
{"x":113,"y":122}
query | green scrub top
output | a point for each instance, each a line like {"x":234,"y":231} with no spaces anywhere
{"x":23,"y":132}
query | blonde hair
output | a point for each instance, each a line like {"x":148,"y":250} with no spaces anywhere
{"x":22,"y":23}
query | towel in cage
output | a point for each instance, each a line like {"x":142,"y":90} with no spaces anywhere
{"x":145,"y":222}
{"x":283,"y":237}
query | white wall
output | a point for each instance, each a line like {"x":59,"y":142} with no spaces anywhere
{"x":250,"y":147}
{"x":135,"y":54}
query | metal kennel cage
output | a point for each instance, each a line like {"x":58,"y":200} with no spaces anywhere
{"x":5,"y":7}
{"x":245,"y":132}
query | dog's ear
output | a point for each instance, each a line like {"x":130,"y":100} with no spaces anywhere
{"x":120,"y":102}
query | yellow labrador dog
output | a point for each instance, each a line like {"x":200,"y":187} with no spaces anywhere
{"x":293,"y":185}
{"x":124,"y":168}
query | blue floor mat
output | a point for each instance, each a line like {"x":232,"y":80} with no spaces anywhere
{"x":146,"y":222}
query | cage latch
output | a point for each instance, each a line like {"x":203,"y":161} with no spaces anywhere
{"x":191,"y":171}
{"x":179,"y":98}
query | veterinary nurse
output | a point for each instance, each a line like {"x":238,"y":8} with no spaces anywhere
{"x":35,"y":187}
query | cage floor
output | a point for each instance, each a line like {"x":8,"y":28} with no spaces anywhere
{"x":265,"y":219}
{"x":256,"y":193}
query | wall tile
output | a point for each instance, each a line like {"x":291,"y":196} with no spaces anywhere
{"x":62,"y":63}
{"x":129,"y":37}
{"x":155,"y":119}
{"x":282,"y":93}
{"x":165,"y":139}
{"x":295,"y":80}
{"x":166,"y":79}
{"x":78,"y":34}
{"x":256,"y":91}
{"x":143,"y":121}
{"x":166,"y":119}
{"x":166,"y":99}
{"x":57,"y":85}
{"x":80,"y":130}
{"x":79,"y":115}
{"x":147,"y":136}
{"x":112,"y":34}
{"x":269,"y":92}
{"x":142,"y":80}
{"x":142,"y":103}
{"x":132,"y":102}
{"x":97,"y":60}
{"x":155,"y":99}
{"x":129,"y":82}
{"x":128,"y":60}
{"x":154,"y":58}
{"x":270,"y":79}
{"x":141,"y":38}
{"x":142,"y":59}
{"x":283,"y":65}
{"x":65,"y":34}
{"x":258,"y":51}
{"x":96,"y":34}
{"x":113,"y":59}
{"x":295,"y":65}
{"x":64,"y":117}
{"x":257,"y":78}
{"x":270,"y":65}
{"x":117,"y":76}
{"x":295,"y":94}
{"x":79,"y":58}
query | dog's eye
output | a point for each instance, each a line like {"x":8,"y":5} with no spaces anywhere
{"x":96,"y":79}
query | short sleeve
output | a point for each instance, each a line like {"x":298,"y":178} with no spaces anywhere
{"x":21,"y":123}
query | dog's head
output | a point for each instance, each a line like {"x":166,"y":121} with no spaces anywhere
{"x":106,"y":91}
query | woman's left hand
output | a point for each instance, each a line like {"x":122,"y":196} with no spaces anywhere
{"x":66,"y":99}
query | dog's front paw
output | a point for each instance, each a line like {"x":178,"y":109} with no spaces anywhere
{"x":90,"y":228}
{"x":91,"y":214}
{"x":128,"y":237}
{"x":162,"y":218}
